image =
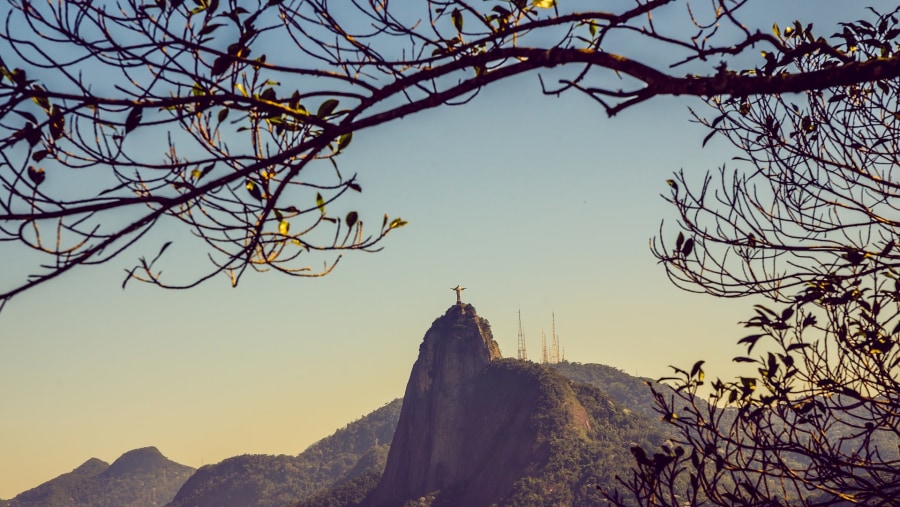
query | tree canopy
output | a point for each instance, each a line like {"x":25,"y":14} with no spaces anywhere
{"x":806,"y":219}
{"x":253,"y":103}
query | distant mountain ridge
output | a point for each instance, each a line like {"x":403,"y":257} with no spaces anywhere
{"x":138,"y":478}
{"x":275,"y":481}
{"x":344,"y":468}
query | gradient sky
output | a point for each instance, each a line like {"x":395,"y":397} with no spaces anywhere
{"x":532,"y":203}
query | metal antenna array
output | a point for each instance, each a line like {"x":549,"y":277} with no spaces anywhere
{"x":543,"y":348}
{"x":523,"y":352}
{"x":554,"y":347}
{"x":549,"y":355}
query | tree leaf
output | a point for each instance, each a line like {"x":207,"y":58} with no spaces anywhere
{"x":750,"y":341}
{"x":352,"y":218}
{"x":28,"y":116}
{"x":57,"y":124}
{"x":327,"y":108}
{"x":697,"y":368}
{"x":134,"y":118}
{"x":220,"y":65}
{"x":36,"y":174}
{"x":320,"y":202}
{"x":199,"y":173}
{"x":688,"y":247}
{"x":283,"y":227}
{"x":42,"y":101}
{"x":457,"y":18}
{"x":344,"y":140}
{"x":210,"y":28}
{"x":544,"y":4}
{"x":254,"y":190}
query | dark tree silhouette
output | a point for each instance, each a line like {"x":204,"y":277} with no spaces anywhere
{"x":808,"y":220}
{"x":251,"y":102}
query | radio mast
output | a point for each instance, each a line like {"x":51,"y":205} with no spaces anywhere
{"x":523,"y":352}
{"x":554,"y":347}
{"x":543,"y":348}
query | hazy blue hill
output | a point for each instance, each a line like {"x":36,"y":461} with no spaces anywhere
{"x":274,"y":481}
{"x":139,"y":478}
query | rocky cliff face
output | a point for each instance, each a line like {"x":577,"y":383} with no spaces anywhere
{"x":468,"y":426}
{"x":425,"y":453}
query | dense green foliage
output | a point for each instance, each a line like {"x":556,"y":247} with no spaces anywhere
{"x":580,"y":461}
{"x":346,"y":494}
{"x":139,"y":478}
{"x":274,"y":481}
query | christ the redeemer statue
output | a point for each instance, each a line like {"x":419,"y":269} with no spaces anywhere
{"x":458,"y":290}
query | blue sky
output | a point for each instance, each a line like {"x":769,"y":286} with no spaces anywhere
{"x":533,"y":203}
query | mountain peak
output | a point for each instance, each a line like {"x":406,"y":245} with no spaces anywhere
{"x":144,"y":460}
{"x":138,"y":478}
{"x":457,"y":347}
{"x":437,"y":411}
{"x":91,"y":468}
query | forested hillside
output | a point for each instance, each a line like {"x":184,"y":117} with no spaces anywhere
{"x":274,"y":481}
{"x":629,"y":391}
{"x":138,"y":478}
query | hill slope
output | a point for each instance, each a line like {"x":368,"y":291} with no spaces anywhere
{"x":626,"y":390}
{"x":274,"y":481}
{"x":138,"y":478}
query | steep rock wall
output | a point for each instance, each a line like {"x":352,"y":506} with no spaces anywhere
{"x":470,"y":424}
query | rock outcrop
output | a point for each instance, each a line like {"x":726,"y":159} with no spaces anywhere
{"x":471,"y":424}
{"x":428,"y":451}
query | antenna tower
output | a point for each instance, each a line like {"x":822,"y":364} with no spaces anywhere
{"x":543,"y":348}
{"x":523,"y":353}
{"x":554,"y":347}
